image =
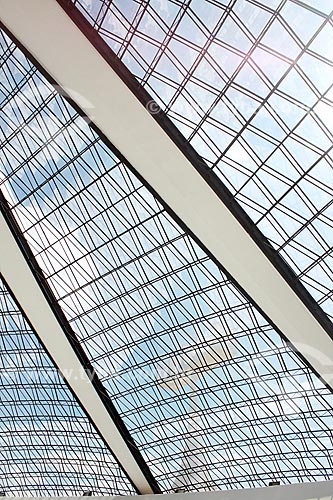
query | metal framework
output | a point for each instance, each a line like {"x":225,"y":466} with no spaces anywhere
{"x":249,"y":83}
{"x":47,"y":444}
{"x":137,"y":135}
{"x":144,"y":301}
{"x":17,"y":266}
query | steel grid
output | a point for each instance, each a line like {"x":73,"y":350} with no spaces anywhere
{"x":48,"y":446}
{"x":145,"y":301}
{"x":249,"y":84}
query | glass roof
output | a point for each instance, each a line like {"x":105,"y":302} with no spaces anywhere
{"x":249,"y":84}
{"x":47,"y":444}
{"x":211,"y":394}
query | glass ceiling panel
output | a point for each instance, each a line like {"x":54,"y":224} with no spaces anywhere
{"x":47,"y":444}
{"x":249,"y":84}
{"x":210,"y":393}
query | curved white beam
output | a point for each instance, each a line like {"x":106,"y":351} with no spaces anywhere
{"x":321,"y":490}
{"x":17,"y":273}
{"x":67,"y":55}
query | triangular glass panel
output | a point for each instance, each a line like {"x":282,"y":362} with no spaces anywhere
{"x":47,"y":444}
{"x":273,"y":34}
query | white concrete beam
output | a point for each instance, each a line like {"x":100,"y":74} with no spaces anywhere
{"x":17,"y":273}
{"x":322,"y":490}
{"x":66,"y":54}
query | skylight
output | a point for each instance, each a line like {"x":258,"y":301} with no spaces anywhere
{"x":47,"y":444}
{"x":249,"y":84}
{"x":146,"y":303}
